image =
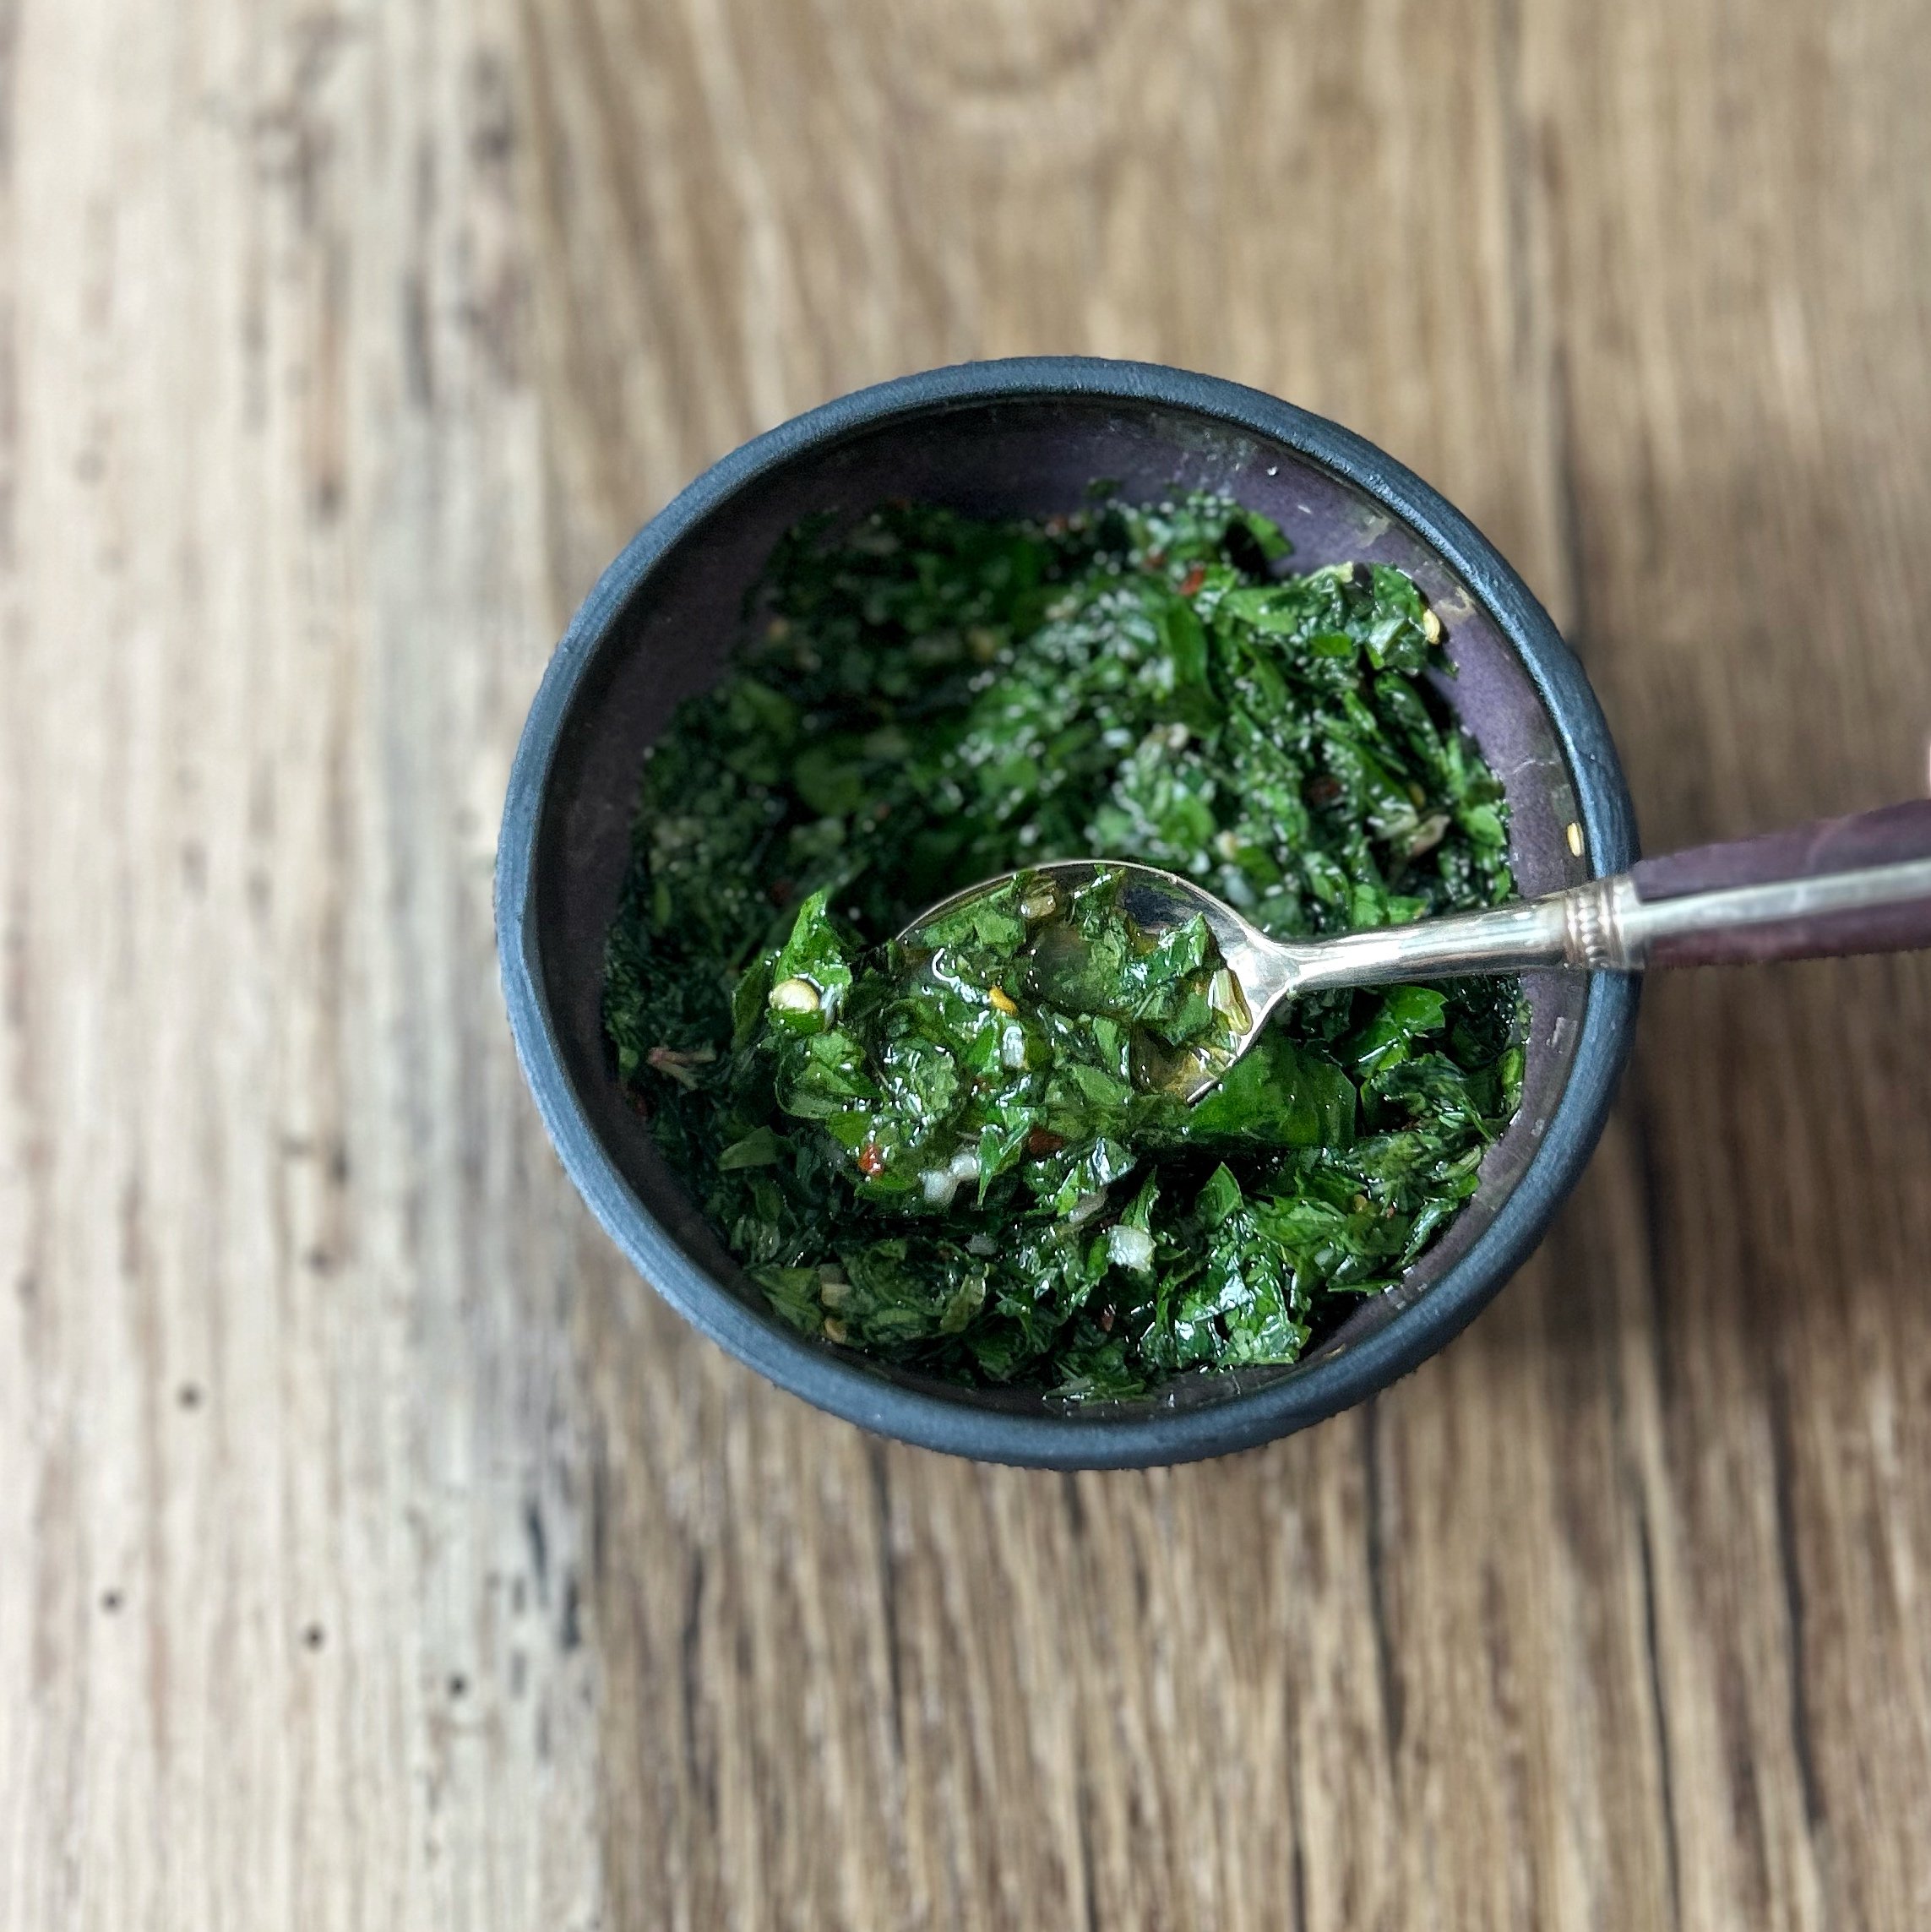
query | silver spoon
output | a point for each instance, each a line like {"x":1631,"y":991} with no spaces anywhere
{"x":1859,"y":885}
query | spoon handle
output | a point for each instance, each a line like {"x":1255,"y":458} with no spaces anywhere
{"x":1857,"y":884}
{"x":1860,"y":885}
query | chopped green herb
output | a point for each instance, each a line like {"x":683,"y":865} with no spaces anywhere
{"x":960,"y":1155}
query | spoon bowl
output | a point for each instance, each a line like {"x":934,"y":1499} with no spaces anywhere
{"x":1156,"y":901}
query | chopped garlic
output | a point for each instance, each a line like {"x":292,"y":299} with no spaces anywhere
{"x":939,"y":1185}
{"x":1085,"y":1208}
{"x":794,"y":996}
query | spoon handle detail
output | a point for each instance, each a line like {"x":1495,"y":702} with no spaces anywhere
{"x":1860,"y":885}
{"x":1829,"y":914}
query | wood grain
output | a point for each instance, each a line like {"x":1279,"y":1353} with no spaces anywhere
{"x":374,"y":1550}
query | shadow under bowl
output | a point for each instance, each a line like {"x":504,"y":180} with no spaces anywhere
{"x":1027,"y":436}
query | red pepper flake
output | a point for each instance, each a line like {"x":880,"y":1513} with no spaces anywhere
{"x":1156,"y":560}
{"x":1039,"y":1142}
{"x":872,"y":1159}
{"x":1194,"y":580}
{"x":1324,"y":790}
{"x":1107,"y":1318}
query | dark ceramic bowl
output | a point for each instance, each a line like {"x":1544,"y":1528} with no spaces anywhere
{"x":1027,"y":436}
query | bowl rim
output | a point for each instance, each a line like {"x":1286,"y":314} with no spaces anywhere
{"x":953,"y":1423}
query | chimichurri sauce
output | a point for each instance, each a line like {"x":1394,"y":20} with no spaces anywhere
{"x":962,"y":1154}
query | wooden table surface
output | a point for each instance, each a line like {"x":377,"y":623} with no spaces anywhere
{"x":375,"y":1550}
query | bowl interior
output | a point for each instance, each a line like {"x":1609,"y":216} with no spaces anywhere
{"x":1006,"y":457}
